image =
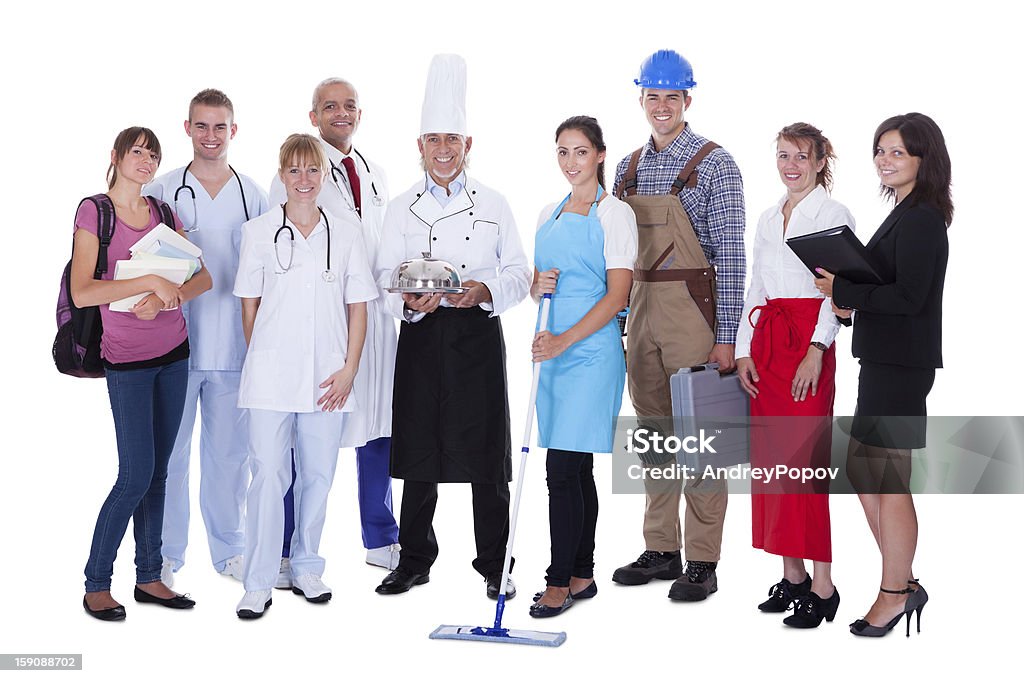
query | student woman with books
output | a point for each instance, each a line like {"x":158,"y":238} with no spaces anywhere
{"x":145,"y":356}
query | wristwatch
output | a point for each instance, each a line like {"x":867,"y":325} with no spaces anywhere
{"x":818,"y":345}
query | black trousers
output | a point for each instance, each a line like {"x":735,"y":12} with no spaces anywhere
{"x":416,"y":528}
{"x":572,"y":515}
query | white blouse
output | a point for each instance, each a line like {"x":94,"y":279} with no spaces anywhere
{"x":778,"y":273}
{"x":619,"y":225}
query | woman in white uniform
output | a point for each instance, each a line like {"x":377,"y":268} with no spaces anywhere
{"x":304,"y":281}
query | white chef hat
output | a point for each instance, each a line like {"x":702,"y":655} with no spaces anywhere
{"x":444,"y":101}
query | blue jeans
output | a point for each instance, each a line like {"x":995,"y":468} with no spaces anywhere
{"x":147,"y":406}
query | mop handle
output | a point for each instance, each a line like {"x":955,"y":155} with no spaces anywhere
{"x":506,"y":568}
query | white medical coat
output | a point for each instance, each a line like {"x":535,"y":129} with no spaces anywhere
{"x":375,"y":382}
{"x":300,"y":336}
{"x":215,"y":319}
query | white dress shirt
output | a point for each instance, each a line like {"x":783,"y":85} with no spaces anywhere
{"x":300,"y":337}
{"x":777,"y":273}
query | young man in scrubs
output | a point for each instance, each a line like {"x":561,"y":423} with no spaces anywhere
{"x":685,"y":305}
{"x":450,"y":379}
{"x":355,"y":189}
{"x":212,"y":200}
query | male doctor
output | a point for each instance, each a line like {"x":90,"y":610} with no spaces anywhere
{"x":357,"y":190}
{"x":450,"y":378}
{"x":212,"y":200}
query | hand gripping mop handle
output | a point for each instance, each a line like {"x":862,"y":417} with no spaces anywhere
{"x":545,"y":306}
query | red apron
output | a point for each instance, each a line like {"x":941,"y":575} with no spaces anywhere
{"x":788,"y":520}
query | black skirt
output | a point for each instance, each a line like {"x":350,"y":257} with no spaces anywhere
{"x":450,"y":411}
{"x":891,"y":410}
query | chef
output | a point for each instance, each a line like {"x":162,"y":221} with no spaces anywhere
{"x":212,"y":201}
{"x":356,"y":189}
{"x":451,"y":400}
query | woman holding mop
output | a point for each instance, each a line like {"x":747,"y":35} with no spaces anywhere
{"x":585,"y":249}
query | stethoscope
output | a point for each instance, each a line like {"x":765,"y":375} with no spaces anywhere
{"x":377,"y":199}
{"x":195,"y":216}
{"x":327,"y":275}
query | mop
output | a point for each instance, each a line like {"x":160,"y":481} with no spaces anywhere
{"x":497,"y":634}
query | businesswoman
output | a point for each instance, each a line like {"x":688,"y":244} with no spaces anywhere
{"x":304,"y":280}
{"x":786,"y":362}
{"x":897,"y":335}
{"x":585,"y":249}
{"x":145,"y":357}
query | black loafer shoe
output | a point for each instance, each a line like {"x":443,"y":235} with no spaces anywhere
{"x":493,"y":587}
{"x":543,"y":611}
{"x":400,"y":581}
{"x":588,"y":592}
{"x":177,"y":602}
{"x":108,"y":614}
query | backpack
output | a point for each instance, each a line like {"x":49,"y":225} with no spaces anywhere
{"x":76,"y":348}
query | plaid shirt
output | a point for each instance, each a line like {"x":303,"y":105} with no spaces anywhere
{"x":716,"y":211}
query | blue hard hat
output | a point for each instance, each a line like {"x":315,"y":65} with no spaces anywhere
{"x":666,"y":70}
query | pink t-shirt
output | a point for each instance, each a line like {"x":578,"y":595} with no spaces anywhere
{"x":126,"y":339}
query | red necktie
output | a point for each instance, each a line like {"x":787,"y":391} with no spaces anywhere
{"x":353,"y":182}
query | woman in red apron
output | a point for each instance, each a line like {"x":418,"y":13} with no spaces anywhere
{"x":786,"y":362}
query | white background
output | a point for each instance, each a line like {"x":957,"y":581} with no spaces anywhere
{"x":74,"y":76}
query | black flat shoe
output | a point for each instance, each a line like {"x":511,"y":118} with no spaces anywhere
{"x":543,"y":611}
{"x":588,"y":592}
{"x":108,"y":614}
{"x":177,"y":602}
{"x":810,"y":609}
{"x":400,"y":581}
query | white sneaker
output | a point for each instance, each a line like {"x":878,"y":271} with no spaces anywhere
{"x":284,"y":575}
{"x":233,"y":567}
{"x":167,"y":573}
{"x":386,"y":556}
{"x":311,"y":587}
{"x":253,"y":604}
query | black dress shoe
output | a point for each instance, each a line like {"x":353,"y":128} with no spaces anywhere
{"x":400,"y":581}
{"x":543,"y":611}
{"x":493,"y":587}
{"x":810,"y":609}
{"x":588,"y":592}
{"x":177,"y":602}
{"x":782,"y":595}
{"x":108,"y":614}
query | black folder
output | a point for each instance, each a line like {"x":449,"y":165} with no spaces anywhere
{"x":838,"y":251}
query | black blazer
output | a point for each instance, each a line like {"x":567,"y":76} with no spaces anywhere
{"x":900,"y":322}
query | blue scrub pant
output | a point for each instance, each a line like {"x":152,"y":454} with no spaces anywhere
{"x":223,"y":469}
{"x":376,"y":514}
{"x":147,"y":407}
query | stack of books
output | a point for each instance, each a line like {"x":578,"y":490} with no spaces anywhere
{"x":161,"y":252}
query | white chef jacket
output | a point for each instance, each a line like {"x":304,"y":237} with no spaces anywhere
{"x":777,"y":273}
{"x":475,"y":232}
{"x":375,"y":381}
{"x":300,"y":336}
{"x":215,"y":319}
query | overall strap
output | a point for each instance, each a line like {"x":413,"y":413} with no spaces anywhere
{"x":628,"y":186}
{"x":688,"y":176}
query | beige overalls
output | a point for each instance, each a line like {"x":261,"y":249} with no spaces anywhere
{"x":671,"y":326}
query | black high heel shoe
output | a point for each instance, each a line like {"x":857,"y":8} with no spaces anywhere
{"x":915,"y":602}
{"x":809,"y":610}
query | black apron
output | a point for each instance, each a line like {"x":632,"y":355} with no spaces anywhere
{"x":450,"y":416}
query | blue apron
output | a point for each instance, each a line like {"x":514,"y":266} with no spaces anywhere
{"x":580,"y":391}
